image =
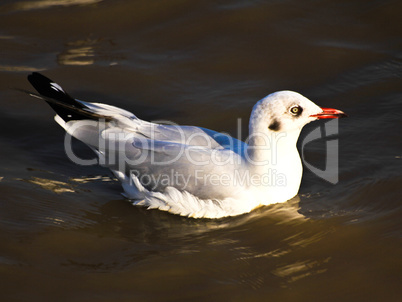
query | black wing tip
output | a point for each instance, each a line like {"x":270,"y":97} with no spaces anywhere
{"x":51,"y":89}
{"x":39,"y":81}
{"x":64,"y":105}
{"x":36,"y":75}
{"x":44,"y":85}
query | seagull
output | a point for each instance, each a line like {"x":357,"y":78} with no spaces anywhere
{"x":187,"y":170}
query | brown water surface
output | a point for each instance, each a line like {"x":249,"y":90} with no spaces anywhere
{"x":67,"y":234}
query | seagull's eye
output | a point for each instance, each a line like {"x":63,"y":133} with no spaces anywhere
{"x":296,"y":110}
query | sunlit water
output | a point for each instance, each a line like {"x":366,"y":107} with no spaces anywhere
{"x":68,"y":235}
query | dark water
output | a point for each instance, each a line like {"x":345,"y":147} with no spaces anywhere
{"x":68,"y":235}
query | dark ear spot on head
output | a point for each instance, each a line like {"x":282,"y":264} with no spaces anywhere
{"x":275,"y":125}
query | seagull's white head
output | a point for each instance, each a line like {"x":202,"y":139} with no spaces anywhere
{"x":287,"y":111}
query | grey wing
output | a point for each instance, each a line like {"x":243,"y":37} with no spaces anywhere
{"x":188,"y":135}
{"x":196,"y":169}
{"x":185,"y":157}
{"x":161,"y":163}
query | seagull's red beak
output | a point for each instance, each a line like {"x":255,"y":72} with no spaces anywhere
{"x":329,"y":113}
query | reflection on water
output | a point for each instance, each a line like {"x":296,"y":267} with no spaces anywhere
{"x":43,"y":4}
{"x":56,"y":221}
{"x":19,"y":68}
{"x":287,"y":211}
{"x":87,"y":52}
{"x":303,"y":240}
{"x":77,"y":56}
{"x":295,"y":271}
{"x":52,"y":185}
{"x":59,"y":187}
{"x":86,"y":179}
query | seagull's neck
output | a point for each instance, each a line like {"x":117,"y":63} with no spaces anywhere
{"x":274,"y":156}
{"x":268,"y":148}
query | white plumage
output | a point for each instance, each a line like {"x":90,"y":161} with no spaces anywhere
{"x":192,"y":171}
